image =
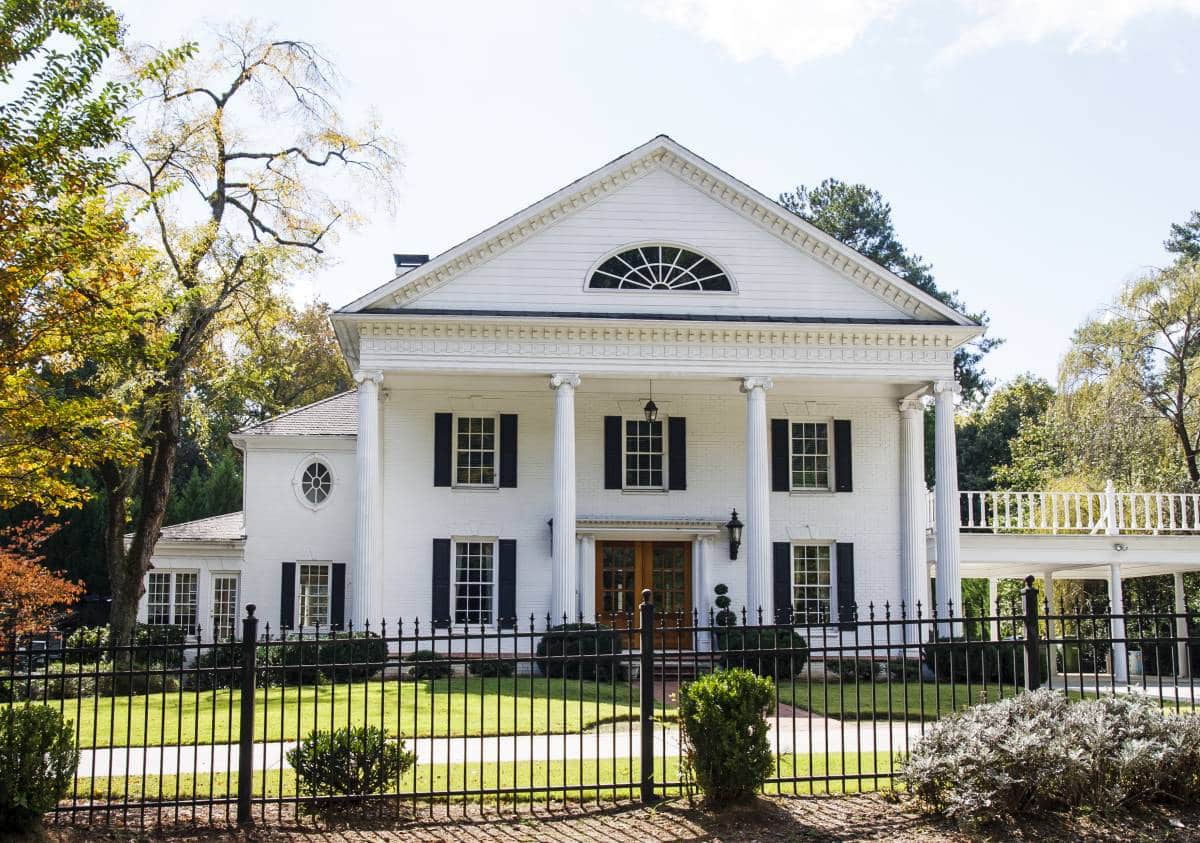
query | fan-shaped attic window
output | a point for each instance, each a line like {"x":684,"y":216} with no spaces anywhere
{"x":659,"y":267}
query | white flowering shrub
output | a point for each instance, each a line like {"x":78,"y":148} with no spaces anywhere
{"x":1040,"y":751}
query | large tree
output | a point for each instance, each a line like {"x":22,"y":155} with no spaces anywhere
{"x":859,"y":216}
{"x":1185,"y":237}
{"x":235,"y":158}
{"x":985,"y":434}
{"x":70,"y":286}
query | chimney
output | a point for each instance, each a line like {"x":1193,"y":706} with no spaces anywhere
{"x":407,"y":263}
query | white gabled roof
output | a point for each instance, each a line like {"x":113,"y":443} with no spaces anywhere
{"x":660,"y":152}
{"x":333,"y":416}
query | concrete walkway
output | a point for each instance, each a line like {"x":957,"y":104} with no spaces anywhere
{"x":801,"y":736}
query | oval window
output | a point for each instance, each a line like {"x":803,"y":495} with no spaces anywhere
{"x":316,"y":482}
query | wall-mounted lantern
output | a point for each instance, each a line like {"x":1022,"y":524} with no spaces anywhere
{"x":651,"y":409}
{"x":735,"y":535}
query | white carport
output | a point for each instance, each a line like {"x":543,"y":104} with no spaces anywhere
{"x":1106,"y":536}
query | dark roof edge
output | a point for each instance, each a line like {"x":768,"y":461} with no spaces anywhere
{"x":668,"y":317}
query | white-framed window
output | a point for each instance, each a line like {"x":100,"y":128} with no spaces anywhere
{"x":810,"y":445}
{"x":313,"y":594}
{"x":645,"y":448}
{"x":224,"y":606}
{"x":474,"y":581}
{"x":812,"y":584}
{"x":314,"y":480}
{"x":171,"y":598}
{"x":475,"y":449}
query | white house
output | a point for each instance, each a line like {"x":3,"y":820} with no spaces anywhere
{"x":497,"y":460}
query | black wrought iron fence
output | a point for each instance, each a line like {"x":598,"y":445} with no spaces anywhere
{"x":540,"y":711}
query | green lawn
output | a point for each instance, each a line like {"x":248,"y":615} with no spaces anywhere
{"x":549,"y":779}
{"x":440,"y":708}
{"x":864,"y":701}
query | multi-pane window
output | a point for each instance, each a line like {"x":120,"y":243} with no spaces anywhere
{"x":811,"y":584}
{"x":659,"y":267}
{"x":224,"y":606}
{"x":316,"y":482}
{"x":643,"y":454}
{"x":810,"y":455}
{"x":474,"y":582}
{"x":475,"y":451}
{"x":171,"y":598}
{"x":314,"y":595}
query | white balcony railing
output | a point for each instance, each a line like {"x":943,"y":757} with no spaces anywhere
{"x":1097,"y":513}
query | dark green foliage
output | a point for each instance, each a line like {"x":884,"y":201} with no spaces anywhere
{"x":427,"y":664}
{"x":994,"y":662}
{"x":581,"y":651}
{"x":37,"y":763}
{"x":492,"y":668}
{"x":353,"y":761}
{"x":984,"y":435}
{"x":861,"y":218}
{"x":86,"y":644}
{"x":334,"y":656}
{"x":725,"y":616}
{"x":208,"y":490}
{"x":1185,"y":237}
{"x":779,"y":652}
{"x":164,"y":643}
{"x":722,"y":716}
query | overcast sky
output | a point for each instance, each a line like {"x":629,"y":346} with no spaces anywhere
{"x":1034,"y":151}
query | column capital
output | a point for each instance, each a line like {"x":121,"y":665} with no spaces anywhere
{"x":749,"y":384}
{"x":375,"y":376}
{"x":950,"y":386}
{"x":559,"y":380}
{"x":911,"y":405}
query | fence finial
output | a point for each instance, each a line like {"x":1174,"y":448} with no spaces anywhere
{"x":250,"y":607}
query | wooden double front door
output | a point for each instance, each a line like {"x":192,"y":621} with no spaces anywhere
{"x":625,"y":568}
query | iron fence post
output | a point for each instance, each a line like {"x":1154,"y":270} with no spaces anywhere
{"x":246,"y":731}
{"x":1029,"y":595}
{"x":646,"y":696}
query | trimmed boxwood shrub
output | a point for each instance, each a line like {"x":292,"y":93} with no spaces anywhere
{"x":995,"y":662}
{"x":335,"y":656}
{"x":599,"y":645}
{"x":492,"y":668}
{"x":37,"y":763}
{"x":427,"y":664}
{"x":1039,"y":751}
{"x":722,"y":717}
{"x":352,"y":761}
{"x":778,"y":652}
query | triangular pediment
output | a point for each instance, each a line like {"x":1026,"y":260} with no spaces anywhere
{"x":658,"y":192}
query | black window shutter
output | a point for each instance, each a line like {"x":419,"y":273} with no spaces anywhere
{"x":843,"y":463}
{"x":508,"y":452}
{"x":287,"y":596}
{"x":782,"y":581}
{"x":847,"y":606}
{"x":441,"y":583}
{"x":612,"y":452}
{"x":781,"y":475}
{"x":337,"y":600}
{"x":443,"y":458}
{"x":677,"y":458}
{"x":507,"y":611}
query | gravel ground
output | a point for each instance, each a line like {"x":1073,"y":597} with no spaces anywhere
{"x":865,"y":817}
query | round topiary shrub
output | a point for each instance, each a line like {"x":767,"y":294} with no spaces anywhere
{"x":722,"y":718}
{"x":581,"y":651}
{"x":725,"y":616}
{"x":352,"y":761}
{"x":427,"y":664}
{"x":778,"y":652}
{"x":37,"y":762}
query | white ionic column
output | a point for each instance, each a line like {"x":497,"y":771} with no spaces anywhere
{"x":1116,"y":606}
{"x":700,"y":596}
{"x":1048,"y":590}
{"x":914,"y":570}
{"x":949,"y":575}
{"x":757,"y":544}
{"x":367,"y":603}
{"x":992,"y":611}
{"x":1181,"y":629}
{"x":564,"y":587}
